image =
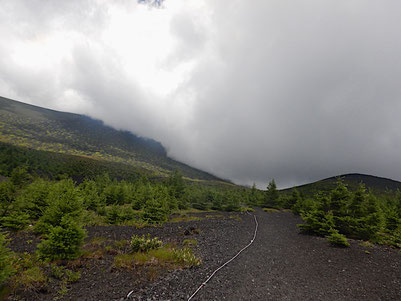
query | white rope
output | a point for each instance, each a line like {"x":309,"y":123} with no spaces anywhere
{"x":243,"y":249}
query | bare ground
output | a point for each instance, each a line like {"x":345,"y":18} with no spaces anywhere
{"x":281,"y":265}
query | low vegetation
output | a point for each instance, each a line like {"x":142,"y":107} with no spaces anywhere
{"x":56,"y":194}
{"x":57,"y":209}
{"x":144,"y":244}
{"x":6,"y":268}
{"x":152,"y":251}
{"x":357,"y":214}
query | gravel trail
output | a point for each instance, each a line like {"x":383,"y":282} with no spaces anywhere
{"x":281,"y":265}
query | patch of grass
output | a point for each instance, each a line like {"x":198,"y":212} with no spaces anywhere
{"x":71,"y":276}
{"x":190,"y":242}
{"x":141,"y":258}
{"x":121,"y":245}
{"x":62,"y":291}
{"x":215,"y":216}
{"x":32,"y":279}
{"x":185,"y":218}
{"x":161,"y":256}
{"x":235,"y":217}
{"x":110,"y":250}
{"x":366,"y":244}
{"x":186,"y":257}
{"x":96,"y":241}
{"x":247,"y":209}
{"x":66,"y":275}
{"x":93,"y":253}
{"x":168,"y":256}
{"x":271,"y":210}
{"x":94,"y":249}
{"x":192,"y":210}
{"x":57,"y":272}
{"x":164,"y":256}
{"x":125,"y":261}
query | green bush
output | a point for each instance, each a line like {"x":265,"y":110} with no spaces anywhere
{"x":338,"y":240}
{"x":116,"y":193}
{"x":272,"y":196}
{"x":113,"y":215}
{"x":119,"y":214}
{"x":254,"y":197}
{"x":89,"y":192}
{"x":64,"y":203}
{"x":392,"y":220}
{"x":354,"y":214}
{"x":201,"y":200}
{"x":292,"y":200}
{"x":35,"y":198}
{"x":232,"y":202}
{"x":7,"y":197}
{"x":12,"y":209}
{"x":15,"y":221}
{"x":395,"y":238}
{"x":63,"y":242}
{"x":156,"y":208}
{"x":19,"y":176}
{"x":144,"y":244}
{"x":6,"y":269}
{"x":317,"y":222}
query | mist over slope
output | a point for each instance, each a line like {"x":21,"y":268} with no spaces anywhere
{"x":43,"y":129}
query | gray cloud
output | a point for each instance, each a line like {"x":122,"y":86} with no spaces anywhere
{"x":295,"y":91}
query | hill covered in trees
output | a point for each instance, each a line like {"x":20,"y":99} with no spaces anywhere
{"x":376,"y":185}
{"x":42,"y":129}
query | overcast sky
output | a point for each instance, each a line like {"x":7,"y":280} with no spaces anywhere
{"x":247,"y":90}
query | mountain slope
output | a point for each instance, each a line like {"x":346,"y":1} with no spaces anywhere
{"x":48,"y":130}
{"x":377,"y":185}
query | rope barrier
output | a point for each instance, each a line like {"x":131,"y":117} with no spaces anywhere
{"x":226,"y":263}
{"x":222,"y":266}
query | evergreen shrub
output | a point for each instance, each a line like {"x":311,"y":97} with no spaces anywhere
{"x":6,"y":269}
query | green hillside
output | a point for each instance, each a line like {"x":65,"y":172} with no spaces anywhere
{"x":40,"y":129}
{"x":377,"y":185}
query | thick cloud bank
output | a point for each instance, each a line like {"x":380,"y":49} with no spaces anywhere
{"x":291,"y":90}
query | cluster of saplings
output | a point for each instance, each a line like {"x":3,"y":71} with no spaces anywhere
{"x":58,"y":210}
{"x":359,"y":214}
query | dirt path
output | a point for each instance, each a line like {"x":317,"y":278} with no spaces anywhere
{"x":282,"y":265}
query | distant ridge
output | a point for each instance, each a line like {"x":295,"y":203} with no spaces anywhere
{"x":38,"y":128}
{"x":376,"y":184}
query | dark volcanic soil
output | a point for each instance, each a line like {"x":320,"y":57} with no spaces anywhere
{"x":281,"y":265}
